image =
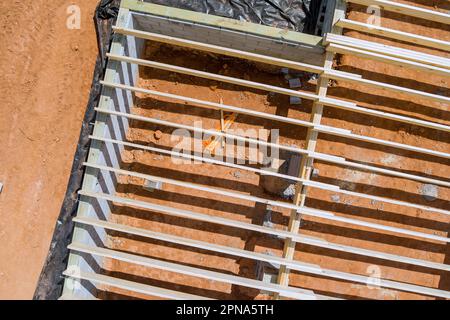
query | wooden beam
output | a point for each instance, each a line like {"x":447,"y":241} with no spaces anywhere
{"x":285,"y":291}
{"x":293,"y":264}
{"x":301,"y":239}
{"x":131,"y":286}
{"x":197,"y":187}
{"x":394,"y":34}
{"x":214,"y":161}
{"x":331,"y":74}
{"x":219,"y":50}
{"x":315,"y":155}
{"x":330,"y":102}
{"x":388,"y":50}
{"x":305,"y":210}
{"x":398,"y":231}
{"x":337,"y":48}
{"x":310,"y":183}
{"x":289,"y":292}
{"x":406,"y":9}
{"x":381,"y":114}
{"x":318,"y":127}
{"x":213,"y":105}
{"x":232,"y":137}
{"x":213,"y":76}
{"x":191,"y":215}
{"x":230,"y":250}
{"x":382,"y":142}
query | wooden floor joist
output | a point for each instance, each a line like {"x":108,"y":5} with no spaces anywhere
{"x":306,"y":211}
{"x":310,"y":183}
{"x":217,"y":162}
{"x":285,"y":291}
{"x":131,"y":286}
{"x":394,"y":34}
{"x":330,"y":102}
{"x":231,"y":137}
{"x":317,"y":127}
{"x":289,"y":292}
{"x":246,"y":197}
{"x":343,"y":49}
{"x":318,"y":156}
{"x":331,"y":74}
{"x":283,"y":204}
{"x":274,"y":260}
{"x":312,"y":241}
{"x":389,"y":50}
{"x":406,"y":9}
{"x":384,"y":115}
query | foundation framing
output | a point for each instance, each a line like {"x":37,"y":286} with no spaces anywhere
{"x":108,"y":140}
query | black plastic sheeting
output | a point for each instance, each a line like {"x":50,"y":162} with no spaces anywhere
{"x":51,"y":280}
{"x":297,"y":15}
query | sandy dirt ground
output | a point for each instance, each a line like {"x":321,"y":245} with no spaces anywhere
{"x":46,"y":71}
{"x":249,"y":183}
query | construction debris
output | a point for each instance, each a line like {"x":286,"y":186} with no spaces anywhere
{"x":295,"y":83}
{"x":429,"y":191}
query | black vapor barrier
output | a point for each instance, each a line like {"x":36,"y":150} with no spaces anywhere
{"x":297,"y":15}
{"x":51,"y":280}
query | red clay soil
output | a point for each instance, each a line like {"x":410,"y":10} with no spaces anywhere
{"x":46,"y":74}
{"x":249,"y":183}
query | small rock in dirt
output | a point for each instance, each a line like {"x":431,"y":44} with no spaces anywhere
{"x":1,"y":187}
{"x":429,"y":191}
{"x":289,"y":192}
{"x":315,"y":173}
{"x":213,"y":88}
{"x":237,"y":174}
{"x":335,"y":198}
{"x":158,"y":135}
